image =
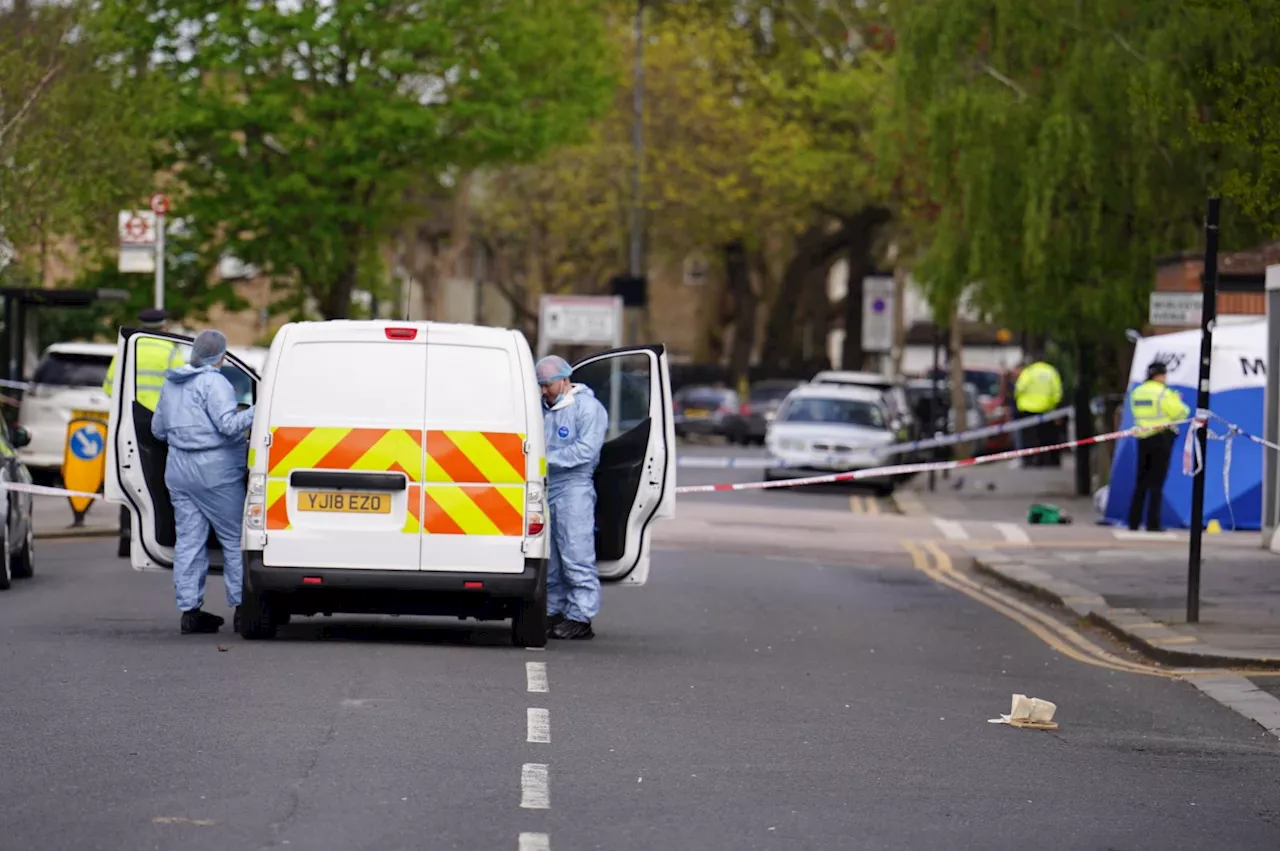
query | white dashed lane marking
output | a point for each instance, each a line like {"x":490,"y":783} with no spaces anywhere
{"x":539,"y":724}
{"x":1013,"y":533}
{"x":953,"y":530}
{"x":535,"y":791}
{"x":534,"y":842}
{"x":535,"y":674}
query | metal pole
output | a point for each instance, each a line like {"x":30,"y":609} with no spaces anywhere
{"x":1208,"y":315}
{"x":159,"y":296}
{"x":934,"y":401}
{"x":1271,"y":430}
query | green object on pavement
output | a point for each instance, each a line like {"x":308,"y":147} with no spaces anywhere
{"x":1041,"y":513}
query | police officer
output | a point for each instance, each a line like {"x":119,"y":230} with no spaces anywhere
{"x":1154,"y":406}
{"x":1038,"y":390}
{"x":154,"y":358}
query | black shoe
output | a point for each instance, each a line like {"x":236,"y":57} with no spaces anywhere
{"x":196,"y":621}
{"x":572,"y":631}
{"x":235,"y":620}
{"x":554,"y":621}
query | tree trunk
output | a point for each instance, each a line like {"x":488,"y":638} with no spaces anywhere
{"x":745,"y":304}
{"x":813,"y":253}
{"x":862,"y":230}
{"x":449,"y":250}
{"x":955,"y":360}
{"x":337,"y":302}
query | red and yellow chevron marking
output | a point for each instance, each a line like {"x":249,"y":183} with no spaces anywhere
{"x":476,"y":478}
{"x":475,"y":457}
{"x":474,"y":510}
{"x":372,"y":449}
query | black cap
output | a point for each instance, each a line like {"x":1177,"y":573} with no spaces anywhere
{"x":1156,"y":369}
{"x":153,"y":317}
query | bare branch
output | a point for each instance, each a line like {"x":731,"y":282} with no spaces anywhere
{"x":39,"y":88}
{"x":1022,"y":93}
{"x":1120,"y":40}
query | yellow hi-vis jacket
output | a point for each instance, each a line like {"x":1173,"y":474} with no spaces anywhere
{"x":154,"y":357}
{"x":1038,"y":389}
{"x":1154,"y":405}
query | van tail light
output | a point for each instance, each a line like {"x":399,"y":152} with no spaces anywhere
{"x":255,"y":503}
{"x":535,"y":516}
{"x":402,"y":333}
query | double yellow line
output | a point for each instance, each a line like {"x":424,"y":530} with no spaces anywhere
{"x":931,"y":560}
{"x":864,"y":504}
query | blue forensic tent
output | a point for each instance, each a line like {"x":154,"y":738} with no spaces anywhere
{"x":1236,"y":389}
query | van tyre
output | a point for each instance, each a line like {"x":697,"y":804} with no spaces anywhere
{"x":257,"y":621}
{"x":529,"y":625}
{"x":6,"y":569}
{"x":24,"y":563}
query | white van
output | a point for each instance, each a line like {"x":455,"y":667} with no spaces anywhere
{"x":400,"y":468}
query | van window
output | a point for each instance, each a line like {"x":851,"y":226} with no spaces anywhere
{"x":621,"y":383}
{"x":350,"y":383}
{"x":60,"y":369}
{"x":473,"y":387}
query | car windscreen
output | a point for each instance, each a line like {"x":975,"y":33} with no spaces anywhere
{"x":61,"y":369}
{"x":770,"y":393}
{"x":849,"y":412}
{"x":709,"y":399}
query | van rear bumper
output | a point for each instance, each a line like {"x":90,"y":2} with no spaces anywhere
{"x":392,"y":591}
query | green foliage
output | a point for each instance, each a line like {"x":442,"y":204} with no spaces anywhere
{"x":298,"y":128}
{"x":1058,"y":150}
{"x":73,"y":140}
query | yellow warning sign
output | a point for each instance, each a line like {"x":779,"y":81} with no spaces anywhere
{"x":84,"y":460}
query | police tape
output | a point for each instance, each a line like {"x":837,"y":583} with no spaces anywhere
{"x":883,"y":450}
{"x":44,"y":490}
{"x":911,"y":469}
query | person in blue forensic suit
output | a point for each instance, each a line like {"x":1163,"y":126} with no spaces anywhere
{"x":208,"y":456}
{"x":573,"y":423}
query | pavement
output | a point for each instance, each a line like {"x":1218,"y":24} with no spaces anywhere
{"x":54,"y":518}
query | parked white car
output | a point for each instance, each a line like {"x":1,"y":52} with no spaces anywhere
{"x":67,"y":384}
{"x":826,"y":428}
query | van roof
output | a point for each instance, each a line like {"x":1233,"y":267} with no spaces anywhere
{"x":106,"y":349}
{"x":340,"y":328}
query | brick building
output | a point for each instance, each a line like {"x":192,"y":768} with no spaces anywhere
{"x":1240,"y":275}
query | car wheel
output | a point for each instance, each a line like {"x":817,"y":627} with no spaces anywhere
{"x":24,"y":564}
{"x":256,"y":619}
{"x":529,"y":624}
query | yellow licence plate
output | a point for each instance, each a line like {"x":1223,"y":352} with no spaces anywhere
{"x":89,"y":415}
{"x":696,"y":414}
{"x":333,"y":502}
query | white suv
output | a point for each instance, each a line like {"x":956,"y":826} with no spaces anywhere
{"x":67,"y":384}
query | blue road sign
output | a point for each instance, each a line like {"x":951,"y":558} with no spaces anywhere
{"x":86,"y":443}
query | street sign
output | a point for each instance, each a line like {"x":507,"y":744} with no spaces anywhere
{"x":1176,"y":309}
{"x":579,"y":320}
{"x":84,"y":462}
{"x":137,"y":227}
{"x":159,"y":204}
{"x":877,"y":314}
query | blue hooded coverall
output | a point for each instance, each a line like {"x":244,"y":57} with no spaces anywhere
{"x":205,"y":475}
{"x":574,"y":429}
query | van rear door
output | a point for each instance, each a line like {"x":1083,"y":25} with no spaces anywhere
{"x":635,"y":480}
{"x":478,"y":459}
{"x":345,"y":459}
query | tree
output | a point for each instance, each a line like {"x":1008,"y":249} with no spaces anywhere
{"x":73,"y":140}
{"x":297,"y":128}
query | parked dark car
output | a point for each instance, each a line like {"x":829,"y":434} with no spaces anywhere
{"x":941,"y":419}
{"x":754,"y":415}
{"x":19,"y":527}
{"x":704,"y":411}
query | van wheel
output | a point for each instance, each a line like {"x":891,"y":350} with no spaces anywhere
{"x":24,"y":563}
{"x":529,"y":625}
{"x":6,"y":568}
{"x":256,"y":619}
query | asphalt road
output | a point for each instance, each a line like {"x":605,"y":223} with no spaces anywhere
{"x":734,"y":703}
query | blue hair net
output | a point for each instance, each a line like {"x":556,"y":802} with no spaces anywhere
{"x":208,"y":348}
{"x":552,"y":368}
